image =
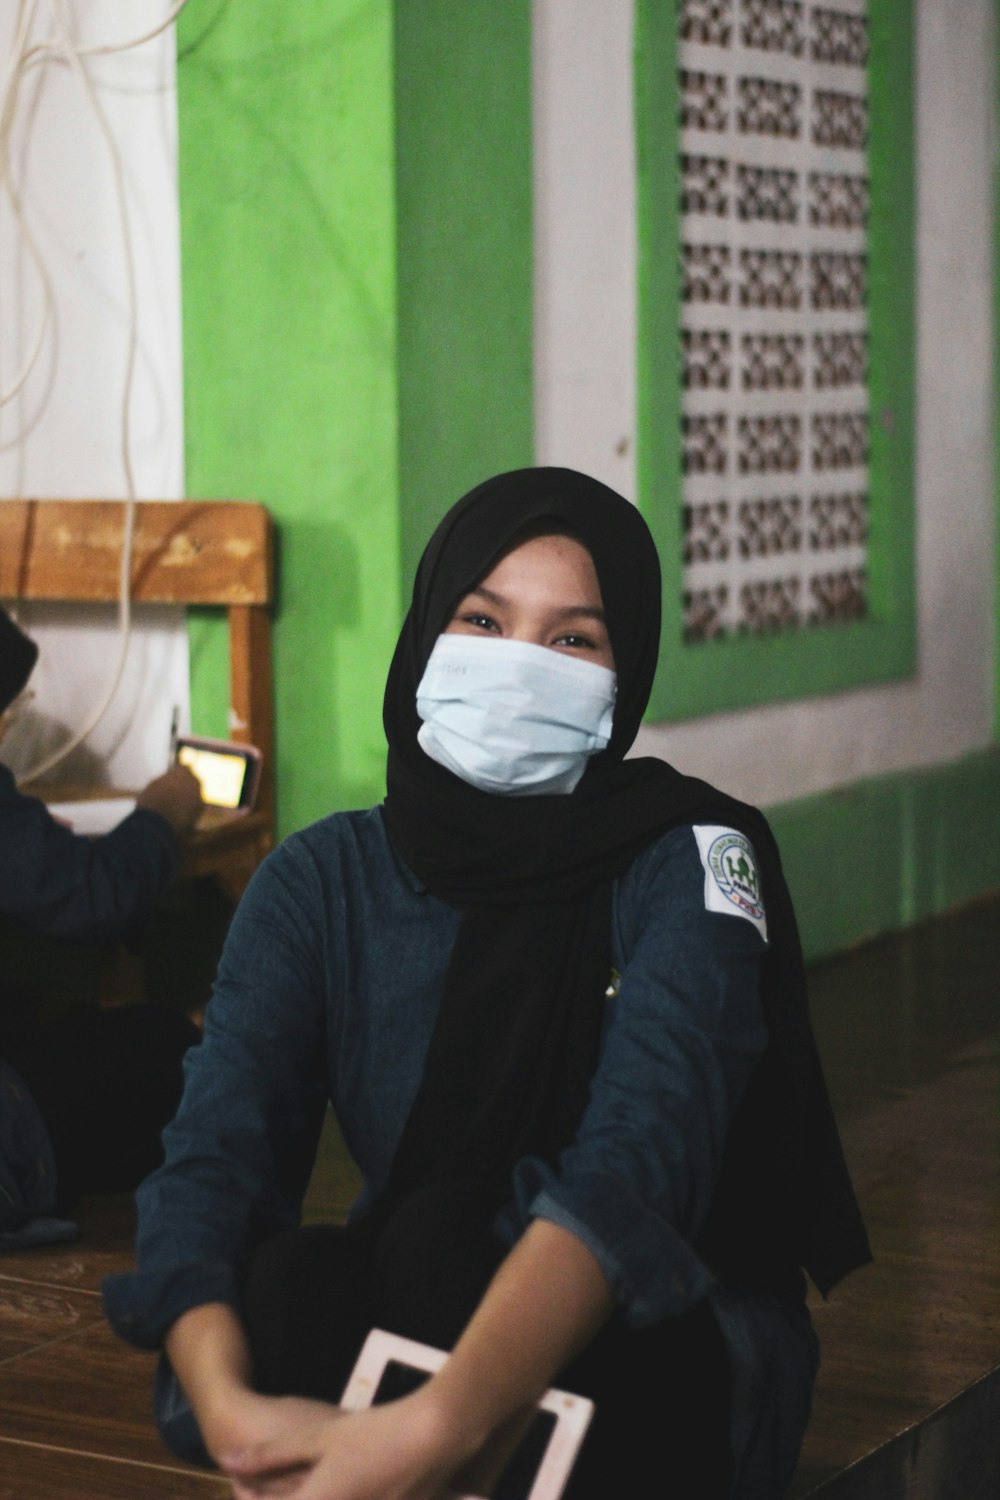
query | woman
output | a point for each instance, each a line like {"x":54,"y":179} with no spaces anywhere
{"x":557,"y":1001}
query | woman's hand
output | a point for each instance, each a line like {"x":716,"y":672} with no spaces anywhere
{"x":545,"y":1303}
{"x":547,"y":1300}
{"x":309,"y":1450}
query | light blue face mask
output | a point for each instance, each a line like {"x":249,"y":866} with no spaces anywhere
{"x":513,"y":718}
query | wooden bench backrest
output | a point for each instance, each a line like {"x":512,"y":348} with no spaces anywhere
{"x":209,"y":552}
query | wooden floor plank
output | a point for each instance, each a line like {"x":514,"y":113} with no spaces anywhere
{"x":34,"y":1315}
{"x":107,"y":1232}
{"x":908,"y":1032}
{"x":953,"y":1455}
{"x":906,"y":1334}
{"x":30,"y":1472}
{"x":88,"y":1394}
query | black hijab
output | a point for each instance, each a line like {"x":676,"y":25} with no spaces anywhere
{"x":471,"y":845}
{"x":516,"y":1042}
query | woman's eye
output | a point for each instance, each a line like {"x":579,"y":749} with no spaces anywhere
{"x":480,"y":621}
{"x":576,"y":642}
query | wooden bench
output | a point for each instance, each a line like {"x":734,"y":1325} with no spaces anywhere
{"x":216,"y":553}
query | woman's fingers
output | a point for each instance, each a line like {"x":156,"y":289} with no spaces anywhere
{"x":267,"y":1464}
{"x":270,"y":1487}
{"x":308,"y":1450}
{"x":293,"y":1435}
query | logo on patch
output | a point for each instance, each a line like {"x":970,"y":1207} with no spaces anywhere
{"x":731,"y":861}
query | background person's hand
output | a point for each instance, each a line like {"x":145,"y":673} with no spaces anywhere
{"x":176,"y":796}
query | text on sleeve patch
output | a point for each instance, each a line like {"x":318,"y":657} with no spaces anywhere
{"x":732,"y":881}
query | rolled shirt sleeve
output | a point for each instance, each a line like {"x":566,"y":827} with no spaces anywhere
{"x":681,"y":1038}
{"x":239,"y":1153}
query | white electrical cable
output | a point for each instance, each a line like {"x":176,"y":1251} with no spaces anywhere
{"x":137,"y":41}
{"x":67,"y":50}
{"x":25,"y":57}
{"x":63,"y":49}
{"x":8,"y":109}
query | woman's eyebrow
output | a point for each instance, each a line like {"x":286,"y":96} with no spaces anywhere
{"x":482,"y":592}
{"x":564,"y":612}
{"x":586,"y":611}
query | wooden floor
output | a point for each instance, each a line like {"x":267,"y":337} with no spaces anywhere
{"x":909,"y":1029}
{"x":910,"y":1032}
{"x":75,"y":1410}
{"x":75,"y":1404}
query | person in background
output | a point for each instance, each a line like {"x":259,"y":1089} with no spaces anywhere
{"x":104,"y":1082}
{"x":557,"y":1000}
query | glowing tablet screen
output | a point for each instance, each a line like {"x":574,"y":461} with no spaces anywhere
{"x":219,"y":773}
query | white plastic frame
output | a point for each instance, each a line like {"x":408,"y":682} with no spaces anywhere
{"x":572,"y":1413}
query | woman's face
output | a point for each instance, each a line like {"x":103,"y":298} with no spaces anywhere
{"x":544,"y":591}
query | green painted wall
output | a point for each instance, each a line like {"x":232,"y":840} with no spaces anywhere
{"x":355,"y":189}
{"x":465,"y":252}
{"x":357,"y":323}
{"x":289,"y":319}
{"x":883,"y":853}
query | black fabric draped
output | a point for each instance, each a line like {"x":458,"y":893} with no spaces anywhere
{"x":18,"y":654}
{"x":517,"y":1036}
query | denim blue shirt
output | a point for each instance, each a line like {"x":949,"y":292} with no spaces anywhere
{"x":329,"y":990}
{"x":65,"y":885}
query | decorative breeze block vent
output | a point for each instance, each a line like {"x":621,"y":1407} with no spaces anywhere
{"x":774,"y":335}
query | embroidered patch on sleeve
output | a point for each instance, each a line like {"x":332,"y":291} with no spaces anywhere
{"x":732,"y":882}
